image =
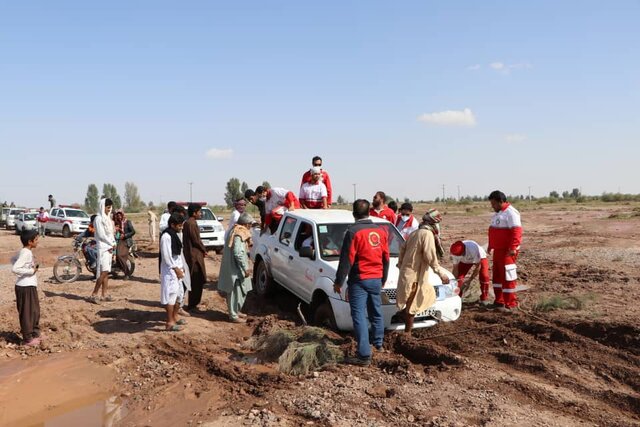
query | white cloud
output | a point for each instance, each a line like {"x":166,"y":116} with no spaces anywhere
{"x":449,"y":118}
{"x":515,"y":138}
{"x":503,"y":68}
{"x":220,"y":153}
{"x":474,"y":67}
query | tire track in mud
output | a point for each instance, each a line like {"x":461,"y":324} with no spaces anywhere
{"x":552,"y":366}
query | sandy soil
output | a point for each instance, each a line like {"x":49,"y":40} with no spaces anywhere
{"x":559,"y":368}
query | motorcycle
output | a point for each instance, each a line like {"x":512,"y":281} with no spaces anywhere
{"x":68,"y":267}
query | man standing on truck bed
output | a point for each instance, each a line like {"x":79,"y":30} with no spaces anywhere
{"x":365,"y":260}
{"x":316,"y":162}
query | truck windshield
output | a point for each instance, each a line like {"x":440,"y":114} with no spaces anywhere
{"x":76,"y":213}
{"x":207,"y":215}
{"x":332,"y":235}
{"x":30,"y":217}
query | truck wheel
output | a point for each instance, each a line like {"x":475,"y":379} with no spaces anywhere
{"x":66,"y":231}
{"x":323,"y":316}
{"x":263,"y":283}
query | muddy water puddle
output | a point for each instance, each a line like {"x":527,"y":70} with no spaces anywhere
{"x":59,"y":390}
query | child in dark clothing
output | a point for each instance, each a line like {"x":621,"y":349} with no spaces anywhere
{"x":27,"y":289}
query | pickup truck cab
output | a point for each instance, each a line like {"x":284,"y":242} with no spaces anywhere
{"x":67,"y":220}
{"x":285,"y":258}
{"x":211,"y":231}
{"x":12,"y":214}
{"x":26,"y":221}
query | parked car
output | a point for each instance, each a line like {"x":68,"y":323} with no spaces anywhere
{"x":309,"y":274}
{"x":3,"y":216}
{"x":67,"y":220}
{"x":26,"y":221}
{"x":211,"y":231}
{"x":10,"y":221}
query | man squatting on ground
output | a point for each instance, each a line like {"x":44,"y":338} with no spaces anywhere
{"x":172,"y":272}
{"x":365,"y":260}
{"x":464,"y":255}
{"x":505,"y":236}
{"x":106,"y":243}
{"x":27,"y":303}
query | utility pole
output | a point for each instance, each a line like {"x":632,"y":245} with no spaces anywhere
{"x":190,"y":192}
{"x":354,"y":192}
{"x":443,"y":196}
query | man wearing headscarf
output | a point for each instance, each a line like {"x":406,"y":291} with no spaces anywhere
{"x":194,"y":253}
{"x":417,"y":255}
{"x":240,"y":205}
{"x":234,"y":278}
{"x":106,"y":243}
{"x":432,"y":220}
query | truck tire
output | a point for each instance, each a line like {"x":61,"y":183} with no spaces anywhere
{"x":66,"y":231}
{"x":263,"y":283}
{"x":324,"y":317}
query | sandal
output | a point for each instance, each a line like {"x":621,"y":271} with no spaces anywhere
{"x":173,"y":328}
{"x":108,"y":298}
{"x":181,"y":322}
{"x":93,"y":299}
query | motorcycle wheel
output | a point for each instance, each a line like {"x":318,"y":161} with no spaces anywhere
{"x":66,"y":270}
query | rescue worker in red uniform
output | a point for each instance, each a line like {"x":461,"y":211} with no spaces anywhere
{"x":316,"y":162}
{"x":464,"y":255}
{"x":505,"y":236}
{"x":380,"y":209}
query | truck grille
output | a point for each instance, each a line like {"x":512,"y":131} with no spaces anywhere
{"x":206,"y":228}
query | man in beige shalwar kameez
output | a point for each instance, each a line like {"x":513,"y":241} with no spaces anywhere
{"x":417,"y":255}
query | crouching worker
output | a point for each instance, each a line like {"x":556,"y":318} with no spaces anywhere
{"x":27,"y":301}
{"x":235,"y":270}
{"x":172,"y":272}
{"x":466,"y":254}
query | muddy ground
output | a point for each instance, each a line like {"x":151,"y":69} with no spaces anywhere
{"x":573,"y":366}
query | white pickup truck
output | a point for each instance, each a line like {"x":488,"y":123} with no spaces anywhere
{"x":309,"y":274}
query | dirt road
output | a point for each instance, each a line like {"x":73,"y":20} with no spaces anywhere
{"x":574,"y":366}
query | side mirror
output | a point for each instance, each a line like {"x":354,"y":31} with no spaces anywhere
{"x":307,"y":252}
{"x":220,"y":218}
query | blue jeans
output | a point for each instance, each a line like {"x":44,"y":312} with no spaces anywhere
{"x":364,"y":300}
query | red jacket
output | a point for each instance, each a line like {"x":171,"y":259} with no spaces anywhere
{"x":385,"y":213}
{"x":505,"y":231}
{"x":306,"y":177}
{"x":365,"y":253}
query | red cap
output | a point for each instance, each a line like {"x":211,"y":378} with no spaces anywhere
{"x":457,"y":249}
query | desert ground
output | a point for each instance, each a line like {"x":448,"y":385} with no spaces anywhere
{"x":113,"y":364}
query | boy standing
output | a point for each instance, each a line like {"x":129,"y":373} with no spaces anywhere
{"x":27,"y":289}
{"x":172,"y":272}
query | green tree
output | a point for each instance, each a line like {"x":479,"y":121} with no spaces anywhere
{"x":132,"y":197}
{"x":244,"y":187}
{"x":566,"y":194}
{"x":554,"y":195}
{"x":110,"y":192}
{"x":233,"y":192}
{"x":575,"y":193}
{"x":340,"y":200}
{"x":266,"y":184}
{"x":92,"y":199}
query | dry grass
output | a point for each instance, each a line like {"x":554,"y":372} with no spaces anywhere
{"x":562,"y":302}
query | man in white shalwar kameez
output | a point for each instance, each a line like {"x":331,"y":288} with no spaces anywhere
{"x":172,"y":272}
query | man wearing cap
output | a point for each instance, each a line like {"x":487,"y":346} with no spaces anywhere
{"x":316,"y":162}
{"x":464,"y":255}
{"x":313,"y":194}
{"x":505,"y":235}
{"x":406,"y":223}
{"x":234,"y":278}
{"x":380,"y":209}
{"x":415,"y":293}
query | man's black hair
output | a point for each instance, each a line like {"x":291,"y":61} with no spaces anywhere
{"x":175,"y":218}
{"x":108,"y":202}
{"x":498,"y":196}
{"x":180,"y":210}
{"x":316,"y":158}
{"x":382,"y":195}
{"x":361,"y":209}
{"x":406,"y":206}
{"x":260,"y":189}
{"x":28,"y":235}
{"x":393,"y":206}
{"x":248,"y":194}
{"x":171,"y":206}
{"x":193,"y":208}
{"x":50,"y":195}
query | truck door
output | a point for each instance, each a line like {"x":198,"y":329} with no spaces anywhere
{"x":302,"y":270}
{"x":280,"y":253}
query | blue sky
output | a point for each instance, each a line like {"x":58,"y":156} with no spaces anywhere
{"x":395,"y":96}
